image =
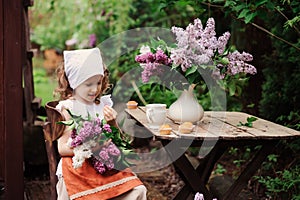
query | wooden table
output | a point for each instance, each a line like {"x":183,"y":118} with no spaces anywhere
{"x":219,"y":131}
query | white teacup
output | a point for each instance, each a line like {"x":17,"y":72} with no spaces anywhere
{"x":156,"y":114}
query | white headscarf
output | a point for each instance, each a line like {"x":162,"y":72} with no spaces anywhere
{"x":82,"y":64}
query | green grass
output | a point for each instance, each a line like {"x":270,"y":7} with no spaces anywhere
{"x":44,"y":85}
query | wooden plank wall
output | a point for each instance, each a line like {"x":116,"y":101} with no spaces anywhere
{"x":12,"y":58}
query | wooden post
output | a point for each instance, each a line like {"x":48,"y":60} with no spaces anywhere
{"x":12,"y":59}
{"x":1,"y":95}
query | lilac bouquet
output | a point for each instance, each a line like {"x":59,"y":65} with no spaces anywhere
{"x":196,"y":47}
{"x":97,"y":141}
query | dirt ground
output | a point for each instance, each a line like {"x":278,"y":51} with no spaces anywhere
{"x":162,"y":183}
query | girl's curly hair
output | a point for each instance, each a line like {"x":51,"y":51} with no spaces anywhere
{"x":65,"y":91}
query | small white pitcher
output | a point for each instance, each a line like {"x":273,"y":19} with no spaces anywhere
{"x":156,"y":114}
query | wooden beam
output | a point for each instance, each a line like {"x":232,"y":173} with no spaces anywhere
{"x":13,"y":61}
{"x":2,"y":148}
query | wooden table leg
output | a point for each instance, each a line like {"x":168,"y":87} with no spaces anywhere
{"x":251,"y":168}
{"x":184,"y":192}
{"x":189,"y":175}
{"x":208,"y":162}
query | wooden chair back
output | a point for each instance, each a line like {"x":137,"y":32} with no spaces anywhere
{"x":53,"y":116}
{"x":52,"y":131}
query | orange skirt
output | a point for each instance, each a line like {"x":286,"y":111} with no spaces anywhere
{"x":85,"y":183}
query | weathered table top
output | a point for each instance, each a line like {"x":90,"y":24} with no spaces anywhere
{"x":224,"y":131}
{"x":221,"y":125}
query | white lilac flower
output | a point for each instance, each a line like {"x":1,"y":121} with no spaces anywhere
{"x":249,"y":69}
{"x":82,"y":152}
{"x":237,"y":63}
{"x":222,"y":42}
{"x":202,"y":59}
{"x":177,"y":55}
{"x":145,"y":49}
{"x":198,"y":196}
{"x":181,"y":36}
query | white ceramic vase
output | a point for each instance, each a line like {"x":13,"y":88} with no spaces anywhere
{"x":186,"y":108}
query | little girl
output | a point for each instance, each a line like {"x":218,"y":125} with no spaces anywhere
{"x":82,"y":79}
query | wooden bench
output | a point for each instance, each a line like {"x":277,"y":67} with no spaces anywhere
{"x":52,"y":131}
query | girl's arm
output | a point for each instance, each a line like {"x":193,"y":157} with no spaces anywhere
{"x":63,"y":148}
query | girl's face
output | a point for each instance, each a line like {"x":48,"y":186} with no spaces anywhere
{"x":87,"y":91}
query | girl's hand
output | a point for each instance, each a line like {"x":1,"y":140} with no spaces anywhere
{"x":109,"y":114}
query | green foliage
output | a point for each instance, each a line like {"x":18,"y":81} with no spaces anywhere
{"x":157,"y":94}
{"x":247,"y":10}
{"x":281,"y":182}
{"x":43,"y":85}
{"x":291,"y":120}
{"x":243,"y":158}
{"x":233,"y":151}
{"x":280,"y":98}
{"x":284,"y":186}
{"x":249,"y":122}
{"x":219,"y":169}
{"x":54,"y":22}
{"x":163,"y":13}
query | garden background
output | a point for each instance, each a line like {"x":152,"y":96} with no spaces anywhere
{"x":269,"y":30}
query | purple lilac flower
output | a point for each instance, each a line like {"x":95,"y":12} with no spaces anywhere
{"x":97,"y":127}
{"x":181,"y":36}
{"x":98,"y":121}
{"x":107,"y":128}
{"x":78,"y":140}
{"x":110,"y":164}
{"x":97,"y":130}
{"x":99,"y":166}
{"x":222,"y":42}
{"x":237,"y":63}
{"x":195,"y":44}
{"x":249,"y":69}
{"x":145,"y":58}
{"x":73,"y":133}
{"x":151,"y":63}
{"x":92,"y":40}
{"x":177,"y":55}
{"x":203,"y":59}
{"x":209,"y":32}
{"x":113,"y":150}
{"x":141,"y":58}
{"x":198,"y":26}
{"x":161,"y":57}
{"x":86,"y":130}
{"x":150,"y":69}
{"x":198,"y":45}
{"x":103,"y":154}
